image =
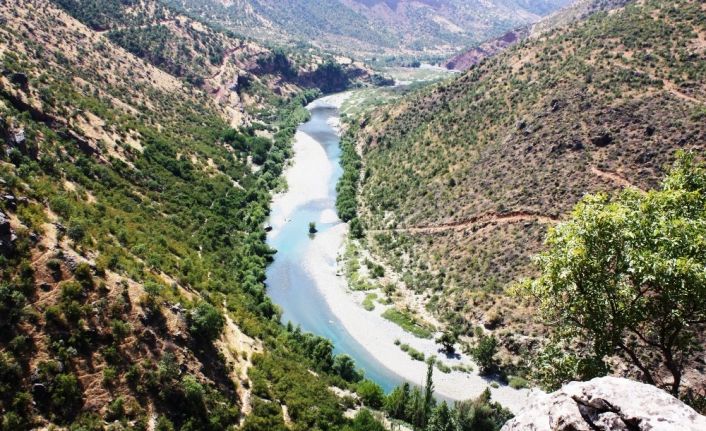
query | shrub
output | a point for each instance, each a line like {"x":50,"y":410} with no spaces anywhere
{"x":205,"y":321}
{"x":484,"y":353}
{"x":518,"y":382}
{"x":370,"y":393}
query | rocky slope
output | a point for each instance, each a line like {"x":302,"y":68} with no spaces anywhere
{"x":374,"y":28}
{"x":131,"y":223}
{"x":572,"y":13}
{"x":461,"y":182}
{"x":606,"y":403}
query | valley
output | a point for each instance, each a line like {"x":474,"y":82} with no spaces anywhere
{"x":352,"y":215}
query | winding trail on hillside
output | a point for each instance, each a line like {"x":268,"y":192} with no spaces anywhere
{"x":614,"y":178}
{"x":477,"y":222}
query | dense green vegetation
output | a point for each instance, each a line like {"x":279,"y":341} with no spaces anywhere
{"x":347,"y":187}
{"x":626,"y":274}
{"x":418,"y":408}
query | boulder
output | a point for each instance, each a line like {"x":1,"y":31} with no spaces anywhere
{"x":606,"y":403}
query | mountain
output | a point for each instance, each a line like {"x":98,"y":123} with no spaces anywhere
{"x":139,"y":150}
{"x":374,"y":28}
{"x":460,"y":182}
{"x":572,"y":13}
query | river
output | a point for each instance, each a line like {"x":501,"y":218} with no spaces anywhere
{"x":290,"y":283}
{"x":304,"y":278}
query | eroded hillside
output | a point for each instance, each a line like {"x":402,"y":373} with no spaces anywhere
{"x":461,"y":182}
{"x":131,"y":225}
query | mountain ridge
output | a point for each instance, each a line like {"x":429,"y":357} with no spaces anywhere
{"x":373,"y":29}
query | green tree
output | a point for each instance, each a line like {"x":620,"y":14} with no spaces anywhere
{"x":365,"y":421}
{"x":371,"y":394}
{"x":626,"y":273}
{"x":447,"y":340}
{"x":484,"y":353}
{"x":429,"y":401}
{"x":441,"y":419}
{"x":480,"y":414}
{"x":264,"y":416}
{"x":66,"y":396}
{"x":396,"y":402}
{"x":344,"y":366}
{"x":205,"y":321}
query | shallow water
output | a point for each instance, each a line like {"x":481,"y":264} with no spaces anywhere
{"x":289,"y":284}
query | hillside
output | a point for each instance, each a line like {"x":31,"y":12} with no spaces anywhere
{"x":131,"y":223}
{"x":406,"y":28}
{"x":460,"y":182}
{"x":575,"y":11}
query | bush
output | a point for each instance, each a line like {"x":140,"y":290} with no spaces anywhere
{"x":484,"y":353}
{"x":364,"y":421}
{"x":518,"y":382}
{"x":205,"y":321}
{"x":371,"y":394}
{"x":66,"y":396}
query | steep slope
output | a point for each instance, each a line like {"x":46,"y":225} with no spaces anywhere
{"x":576,"y":11}
{"x":228,"y":67}
{"x":374,"y":28}
{"x":460,"y":182}
{"x":131,"y":227}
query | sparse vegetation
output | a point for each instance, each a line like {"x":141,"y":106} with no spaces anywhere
{"x":408,"y":322}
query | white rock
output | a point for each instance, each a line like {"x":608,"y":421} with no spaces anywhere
{"x":607,"y":403}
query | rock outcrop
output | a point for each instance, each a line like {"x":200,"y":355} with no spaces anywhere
{"x":607,"y":403}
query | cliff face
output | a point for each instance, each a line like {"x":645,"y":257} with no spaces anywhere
{"x":606,"y":403}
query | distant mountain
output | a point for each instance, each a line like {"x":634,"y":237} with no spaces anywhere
{"x":374,"y":27}
{"x":576,"y":11}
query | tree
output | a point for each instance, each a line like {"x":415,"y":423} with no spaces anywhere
{"x":344,"y":366}
{"x":484,"y":353}
{"x":365,"y":421}
{"x":356,"y":228}
{"x":371,"y":394}
{"x":428,"y":394}
{"x":264,"y":416}
{"x":447,"y":340}
{"x":626,"y":273}
{"x":205,"y":321}
{"x":441,"y":419}
{"x":480,"y":414}
{"x":396,"y":402}
{"x":312,"y":227}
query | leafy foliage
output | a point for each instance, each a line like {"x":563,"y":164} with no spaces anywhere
{"x":626,"y":273}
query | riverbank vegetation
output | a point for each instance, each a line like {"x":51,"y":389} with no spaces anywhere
{"x":418,"y":408}
{"x":408,"y":322}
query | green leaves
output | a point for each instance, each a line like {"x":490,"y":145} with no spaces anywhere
{"x":631,"y":266}
{"x":205,"y":321}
